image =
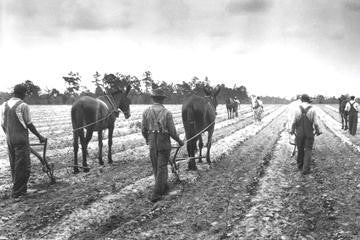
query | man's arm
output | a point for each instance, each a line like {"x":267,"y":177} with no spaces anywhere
{"x":32,"y":128}
{"x":316,"y":123}
{"x":172,"y":130}
{"x":144,"y":129}
{"x":293,"y":121}
{"x":25,"y":110}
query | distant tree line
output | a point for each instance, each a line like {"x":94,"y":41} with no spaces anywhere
{"x":140,"y":93}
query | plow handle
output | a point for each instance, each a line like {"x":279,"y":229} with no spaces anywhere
{"x":49,"y":170}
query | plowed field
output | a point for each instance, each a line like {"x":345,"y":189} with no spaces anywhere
{"x":252,"y":191}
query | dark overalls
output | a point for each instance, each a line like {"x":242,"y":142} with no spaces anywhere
{"x":17,"y":137}
{"x":353,"y":119}
{"x":304,"y":140}
{"x":160,"y":147}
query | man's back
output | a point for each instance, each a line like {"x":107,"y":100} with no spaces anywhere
{"x":305,"y":119}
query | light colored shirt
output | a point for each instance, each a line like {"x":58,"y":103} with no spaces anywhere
{"x":355,"y":105}
{"x":22,"y":111}
{"x":311,"y":115}
{"x":293,"y":107}
{"x":158,"y":118}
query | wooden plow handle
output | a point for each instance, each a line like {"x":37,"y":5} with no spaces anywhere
{"x":47,"y":168}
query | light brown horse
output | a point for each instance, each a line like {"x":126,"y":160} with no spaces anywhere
{"x":97,"y":114}
{"x":199,"y":113}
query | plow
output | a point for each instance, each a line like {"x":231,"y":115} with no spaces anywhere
{"x":46,"y":166}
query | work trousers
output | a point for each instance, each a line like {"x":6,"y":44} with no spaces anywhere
{"x":159,"y":162}
{"x":19,"y":156}
{"x":304,"y":145}
{"x":353,"y":120}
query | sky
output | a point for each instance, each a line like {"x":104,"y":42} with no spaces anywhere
{"x":273,"y":47}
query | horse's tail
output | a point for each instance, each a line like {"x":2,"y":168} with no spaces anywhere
{"x":77,"y":120}
{"x":189,"y":121}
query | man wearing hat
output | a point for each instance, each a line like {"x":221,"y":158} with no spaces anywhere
{"x":303,"y":124}
{"x":237,"y":106}
{"x":157,"y":128}
{"x":352,"y":109}
{"x":16,"y":121}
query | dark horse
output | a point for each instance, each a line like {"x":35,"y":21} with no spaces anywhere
{"x":198,"y":114}
{"x":343,"y":114}
{"x":97,"y":114}
{"x":231,"y":107}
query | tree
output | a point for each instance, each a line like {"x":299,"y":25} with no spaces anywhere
{"x":32,"y":90}
{"x":73,"y":81}
{"x":148,"y":81}
{"x":320,"y":99}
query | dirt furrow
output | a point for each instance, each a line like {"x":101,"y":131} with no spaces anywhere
{"x":104,"y":209}
{"x":333,"y":125}
{"x":289,"y":205}
{"x":98,"y":183}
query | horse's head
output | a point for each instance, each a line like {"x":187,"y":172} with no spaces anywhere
{"x":211,"y":94}
{"x":121,"y":100}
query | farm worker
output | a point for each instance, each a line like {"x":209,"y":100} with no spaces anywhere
{"x":352,"y":108}
{"x":16,"y":121}
{"x":157,"y":128}
{"x":303,"y":124}
{"x":258,"y":108}
{"x":237,"y":106}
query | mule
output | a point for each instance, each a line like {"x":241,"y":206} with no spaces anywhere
{"x":97,"y":114}
{"x":231,"y":107}
{"x":198,"y":114}
{"x":343,"y":114}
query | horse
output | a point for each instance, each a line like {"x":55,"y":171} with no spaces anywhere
{"x":97,"y":114}
{"x":231,"y":107}
{"x":343,"y":114}
{"x":198,"y":114}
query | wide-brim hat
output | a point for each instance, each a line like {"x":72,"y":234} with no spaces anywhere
{"x":158,"y":93}
{"x":305,"y":98}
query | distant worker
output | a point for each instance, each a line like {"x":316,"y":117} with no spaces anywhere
{"x":352,"y":108}
{"x":15,"y":121}
{"x":157,"y":128}
{"x":237,"y":106}
{"x":258,"y":109}
{"x":304,"y":122}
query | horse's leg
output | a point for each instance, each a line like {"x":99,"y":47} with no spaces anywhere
{"x":201,"y":145}
{"x":100,"y":139}
{"x":346,"y":121}
{"x":84,"y":149}
{"x":191,"y":146}
{"x":110,"y":142}
{"x":210,"y":133}
{"x":76,"y":149}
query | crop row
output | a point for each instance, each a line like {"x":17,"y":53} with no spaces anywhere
{"x":100,"y":210}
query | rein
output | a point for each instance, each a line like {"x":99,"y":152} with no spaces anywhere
{"x":201,"y":132}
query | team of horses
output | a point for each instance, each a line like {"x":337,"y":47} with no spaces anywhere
{"x":98,"y":114}
{"x":231,"y":107}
